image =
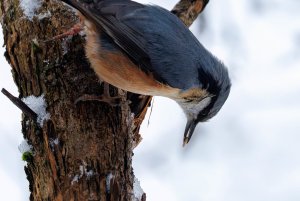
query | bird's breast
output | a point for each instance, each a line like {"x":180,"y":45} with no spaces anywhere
{"x":117,"y":69}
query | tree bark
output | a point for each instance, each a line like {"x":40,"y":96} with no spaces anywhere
{"x":83,"y":151}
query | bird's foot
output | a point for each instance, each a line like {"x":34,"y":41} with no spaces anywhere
{"x":112,"y":101}
{"x":105,"y":97}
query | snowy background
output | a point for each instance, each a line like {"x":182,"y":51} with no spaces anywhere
{"x":249,"y":151}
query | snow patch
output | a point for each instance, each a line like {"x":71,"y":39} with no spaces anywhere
{"x":44,"y":15}
{"x":89,"y":174}
{"x":25,"y":147}
{"x":29,"y":7}
{"x":53,"y":143}
{"x":38,"y":105}
{"x":83,"y":171}
{"x":108,"y":179}
{"x":75,"y":179}
{"x":56,"y":141}
{"x":137,"y":190}
{"x":35,"y":41}
{"x":65,"y":45}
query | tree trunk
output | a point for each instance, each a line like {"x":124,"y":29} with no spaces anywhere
{"x":84,"y":151}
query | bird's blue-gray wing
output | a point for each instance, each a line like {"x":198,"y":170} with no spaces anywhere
{"x":105,"y":16}
{"x":152,"y":37}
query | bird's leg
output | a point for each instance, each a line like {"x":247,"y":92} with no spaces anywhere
{"x":105,"y":97}
{"x":70,"y":32}
{"x":113,"y":101}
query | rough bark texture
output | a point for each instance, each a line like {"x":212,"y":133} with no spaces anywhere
{"x":84,"y":151}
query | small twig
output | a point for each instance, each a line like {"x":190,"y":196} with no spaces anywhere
{"x":20,"y":104}
{"x":150,"y":112}
{"x":143,"y":197}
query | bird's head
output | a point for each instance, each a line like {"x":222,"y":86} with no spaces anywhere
{"x":202,"y":103}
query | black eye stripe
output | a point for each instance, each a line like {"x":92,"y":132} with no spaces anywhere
{"x":188,"y":100}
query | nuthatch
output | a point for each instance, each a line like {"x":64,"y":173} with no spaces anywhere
{"x":147,"y":50}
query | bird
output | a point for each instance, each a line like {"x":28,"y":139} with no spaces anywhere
{"x":147,"y":50}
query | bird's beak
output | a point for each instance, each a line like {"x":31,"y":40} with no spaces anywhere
{"x":189,"y":130}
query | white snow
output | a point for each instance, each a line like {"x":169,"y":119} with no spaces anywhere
{"x":89,"y":174}
{"x":29,"y":7}
{"x":35,"y":41}
{"x":56,"y":141}
{"x":53,"y":142}
{"x":38,"y":105}
{"x":137,"y":190}
{"x":65,"y":44}
{"x":83,"y":171}
{"x":44,"y":15}
{"x":78,"y":176}
{"x":75,"y":179}
{"x":108,"y":180}
{"x":25,"y":147}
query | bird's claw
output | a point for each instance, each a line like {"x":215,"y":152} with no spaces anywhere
{"x":105,"y":97}
{"x":112,"y":101}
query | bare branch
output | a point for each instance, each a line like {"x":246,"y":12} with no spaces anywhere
{"x":20,"y":104}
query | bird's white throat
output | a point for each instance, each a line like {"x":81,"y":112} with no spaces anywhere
{"x":192,"y":109}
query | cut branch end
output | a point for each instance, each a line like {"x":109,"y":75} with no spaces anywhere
{"x":20,"y":104}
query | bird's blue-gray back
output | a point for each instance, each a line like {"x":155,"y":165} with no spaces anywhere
{"x":167,"y":42}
